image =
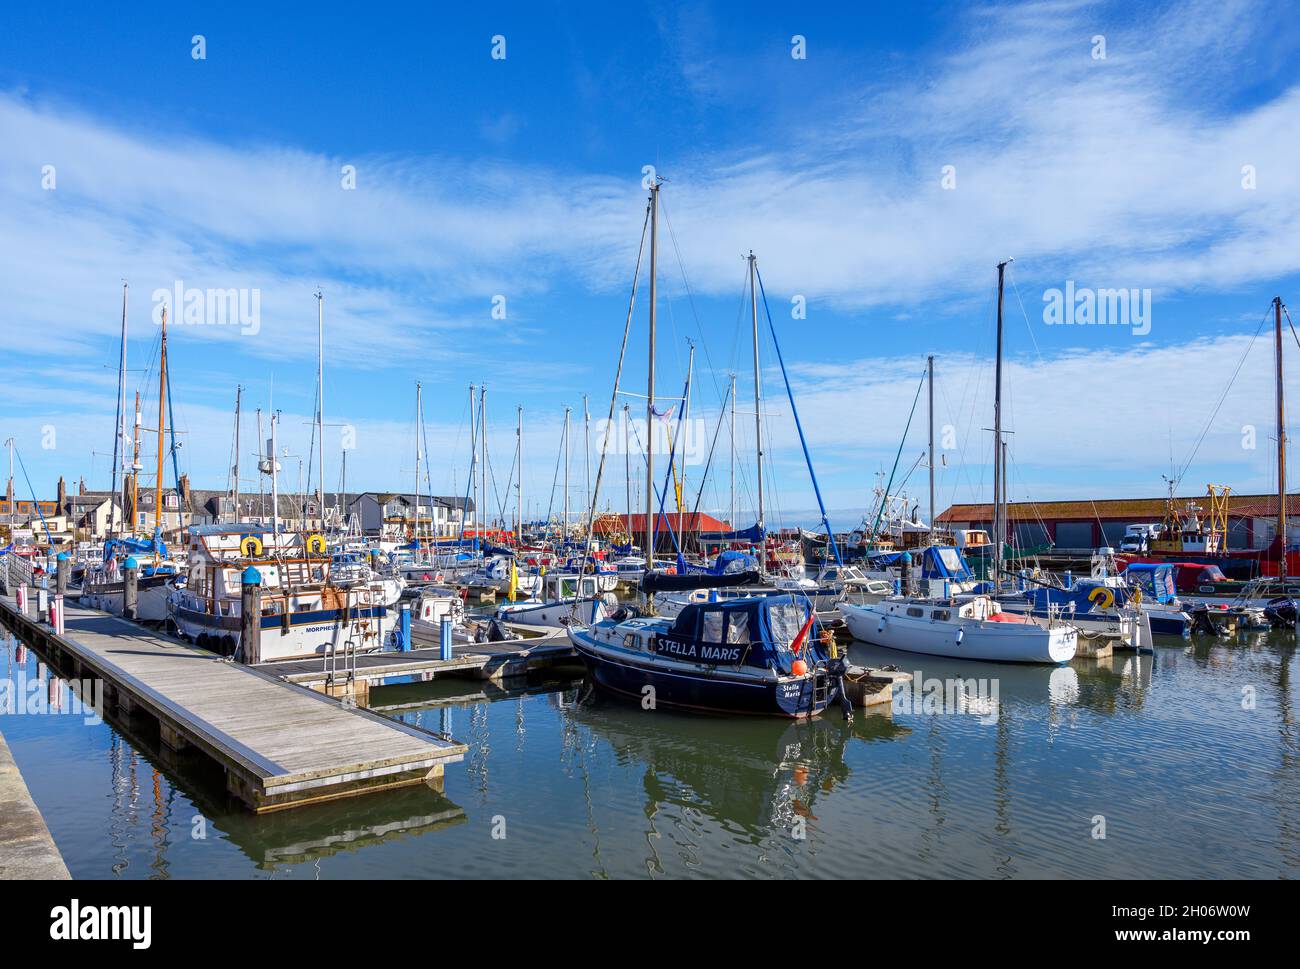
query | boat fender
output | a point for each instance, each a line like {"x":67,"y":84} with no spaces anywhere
{"x":881,"y":628}
{"x":961,"y":634}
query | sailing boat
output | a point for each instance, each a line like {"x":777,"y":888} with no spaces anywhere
{"x":755,"y":655}
{"x":104,"y":586}
{"x":967,"y":626}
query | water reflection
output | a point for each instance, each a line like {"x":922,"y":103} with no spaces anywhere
{"x":148,"y":813}
{"x":999,"y":779}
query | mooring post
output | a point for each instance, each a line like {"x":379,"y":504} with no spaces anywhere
{"x":63,"y":566}
{"x":905,"y":569}
{"x":56,"y":614}
{"x":43,"y":602}
{"x":130,"y":588}
{"x":250,"y":616}
{"x":404,"y":633}
{"x":444,"y":638}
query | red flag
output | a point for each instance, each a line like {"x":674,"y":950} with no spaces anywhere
{"x":797,"y":646}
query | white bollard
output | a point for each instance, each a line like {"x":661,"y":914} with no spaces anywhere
{"x":21,"y":598}
{"x":56,"y":614}
{"x":43,"y":604}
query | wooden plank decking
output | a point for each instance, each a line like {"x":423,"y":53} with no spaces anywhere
{"x":281,"y":745}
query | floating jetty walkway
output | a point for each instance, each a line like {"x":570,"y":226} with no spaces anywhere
{"x":485,"y":661}
{"x":281,"y":745}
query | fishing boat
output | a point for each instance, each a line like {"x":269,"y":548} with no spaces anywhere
{"x":305,"y":612}
{"x":971,"y":627}
{"x":757,"y":655}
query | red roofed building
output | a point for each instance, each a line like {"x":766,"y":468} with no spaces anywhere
{"x":1089,"y":524}
{"x":688,"y":524}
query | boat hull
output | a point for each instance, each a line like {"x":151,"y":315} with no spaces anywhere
{"x":151,"y":597}
{"x":306,"y":635}
{"x":994,"y":642}
{"x":711,"y":691}
{"x":553,"y":615}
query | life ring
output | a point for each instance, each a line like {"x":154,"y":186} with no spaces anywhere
{"x":316,"y":544}
{"x":250,"y":546}
{"x":1102,"y":597}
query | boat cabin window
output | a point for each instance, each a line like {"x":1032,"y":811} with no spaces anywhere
{"x":711,"y":625}
{"x":785,"y":619}
{"x":941,"y":615}
{"x":915,"y":612}
{"x":738,"y":628}
{"x":629,"y":641}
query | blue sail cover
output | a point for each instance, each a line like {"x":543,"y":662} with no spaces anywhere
{"x":727,"y":563}
{"x":935,"y":562}
{"x":132,"y":545}
{"x":755,"y":533}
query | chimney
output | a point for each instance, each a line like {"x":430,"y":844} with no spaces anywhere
{"x":63,"y":494}
{"x":185,"y":492}
{"x":82,"y":489}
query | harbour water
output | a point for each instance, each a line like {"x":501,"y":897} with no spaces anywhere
{"x":1185,"y":763}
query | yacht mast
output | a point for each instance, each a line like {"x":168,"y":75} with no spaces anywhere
{"x":11,"y":491}
{"x":320,"y":405}
{"x":482,"y":437}
{"x":275,"y":474}
{"x":419,"y":409}
{"x":564,"y":529}
{"x":234,"y":491}
{"x":136,"y":466}
{"x":162,"y":427}
{"x":519,"y":480}
{"x":119,"y":442}
{"x":472,"y":484}
{"x":650,"y":384}
{"x":758,"y":386}
{"x":999,"y":499}
{"x":930,"y":381}
{"x":1281,"y":443}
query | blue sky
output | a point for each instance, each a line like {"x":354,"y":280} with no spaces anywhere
{"x":521,"y":177}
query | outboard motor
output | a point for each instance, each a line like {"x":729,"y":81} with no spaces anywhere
{"x":1281,"y":612}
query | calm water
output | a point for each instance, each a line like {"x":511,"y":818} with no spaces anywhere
{"x":1189,"y":783}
